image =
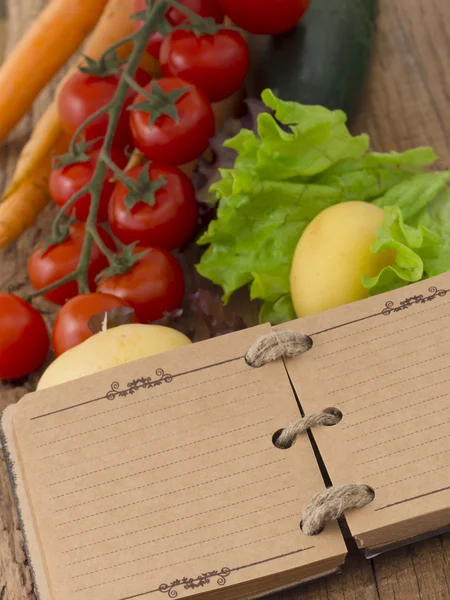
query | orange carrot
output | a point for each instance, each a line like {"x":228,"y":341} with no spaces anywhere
{"x":21,"y":209}
{"x":114,"y":25}
{"x":47,"y":45}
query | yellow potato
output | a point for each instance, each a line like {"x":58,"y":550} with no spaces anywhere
{"x":111,"y":348}
{"x":332,"y":255}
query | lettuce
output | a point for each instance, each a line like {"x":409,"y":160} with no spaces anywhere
{"x":412,"y":247}
{"x":302,"y":160}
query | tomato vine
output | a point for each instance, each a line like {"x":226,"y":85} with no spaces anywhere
{"x":154,"y":19}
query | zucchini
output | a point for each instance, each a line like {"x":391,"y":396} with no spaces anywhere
{"x":324,"y":60}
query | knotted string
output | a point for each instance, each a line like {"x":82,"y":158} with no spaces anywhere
{"x":287,"y":436}
{"x":275,"y":345}
{"x":331,"y":503}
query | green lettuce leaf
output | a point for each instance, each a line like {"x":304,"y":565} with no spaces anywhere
{"x":253,"y":238}
{"x":416,"y":193}
{"x":304,"y":160}
{"x":280,"y":311}
{"x":411,"y":246}
{"x":417,"y":227}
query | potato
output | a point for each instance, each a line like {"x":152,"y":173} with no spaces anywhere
{"x":111,"y":348}
{"x":332,"y":255}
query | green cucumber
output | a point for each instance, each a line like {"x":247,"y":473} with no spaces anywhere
{"x":324,"y":60}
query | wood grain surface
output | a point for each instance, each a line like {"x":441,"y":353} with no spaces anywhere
{"x":407,"y":103}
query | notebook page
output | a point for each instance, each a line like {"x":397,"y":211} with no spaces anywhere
{"x":138,"y":485}
{"x":385,"y":363}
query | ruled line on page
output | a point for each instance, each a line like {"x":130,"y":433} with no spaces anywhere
{"x":144,"y":500}
{"x":424,"y":495}
{"x":361,"y":331}
{"x":215,"y":509}
{"x":402,"y":408}
{"x":232,"y":570}
{"x":67,"y":408}
{"x":381,"y":362}
{"x":415,"y":476}
{"x":407,"y":448}
{"x":397,"y":423}
{"x":387,"y":373}
{"x":139,"y":445}
{"x":145,"y":471}
{"x":135,"y":402}
{"x":181,"y":532}
{"x":153,"y":454}
{"x":184,"y":519}
{"x":191,"y":545}
{"x":371,"y":352}
{"x":209,"y":554}
{"x":184,"y":489}
{"x":147,"y":427}
{"x":147,"y":414}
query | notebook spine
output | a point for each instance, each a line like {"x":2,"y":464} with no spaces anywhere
{"x":331,"y":503}
{"x":12,"y":475}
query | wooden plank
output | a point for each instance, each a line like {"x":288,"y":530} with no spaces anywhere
{"x":406,"y":104}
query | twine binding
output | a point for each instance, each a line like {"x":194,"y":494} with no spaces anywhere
{"x":331,"y":503}
{"x":275,"y":345}
{"x":287,"y":436}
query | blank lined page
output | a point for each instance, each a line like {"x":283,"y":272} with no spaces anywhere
{"x":160,"y":479}
{"x":385,"y":363}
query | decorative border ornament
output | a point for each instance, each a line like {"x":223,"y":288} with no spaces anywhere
{"x":189,"y":583}
{"x":138,"y":384}
{"x":420,"y":299}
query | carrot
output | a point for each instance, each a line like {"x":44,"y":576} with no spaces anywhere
{"x":47,"y":45}
{"x":21,"y":209}
{"x":114,"y":25}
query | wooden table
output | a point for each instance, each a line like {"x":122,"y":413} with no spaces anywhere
{"x":407,"y":103}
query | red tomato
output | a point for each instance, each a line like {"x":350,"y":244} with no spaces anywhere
{"x":58,"y":261}
{"x":69,"y":180}
{"x":153,"y":286}
{"x":171,"y":142}
{"x":24,"y":341}
{"x":218,"y":64}
{"x":82,"y":95}
{"x":265,"y":16}
{"x":71,"y":325}
{"x":169,"y":223}
{"x":204,"y":8}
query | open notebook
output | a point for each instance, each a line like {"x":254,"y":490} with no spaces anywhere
{"x":159,"y":479}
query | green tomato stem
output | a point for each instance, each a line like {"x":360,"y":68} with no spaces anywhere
{"x":120,"y":175}
{"x":83,"y":126}
{"x":49,"y":288}
{"x":119,"y":44}
{"x":62,"y":212}
{"x":134,"y":84}
{"x":114,"y":110}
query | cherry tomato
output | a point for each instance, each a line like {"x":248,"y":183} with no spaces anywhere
{"x":69,"y":180}
{"x":82,"y":95}
{"x":71,"y":325}
{"x":168,"y":223}
{"x":265,"y":16}
{"x":167,"y":140}
{"x":153,"y":286}
{"x":218,"y":64}
{"x":204,"y":8}
{"x":24,"y":340}
{"x":58,"y":261}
